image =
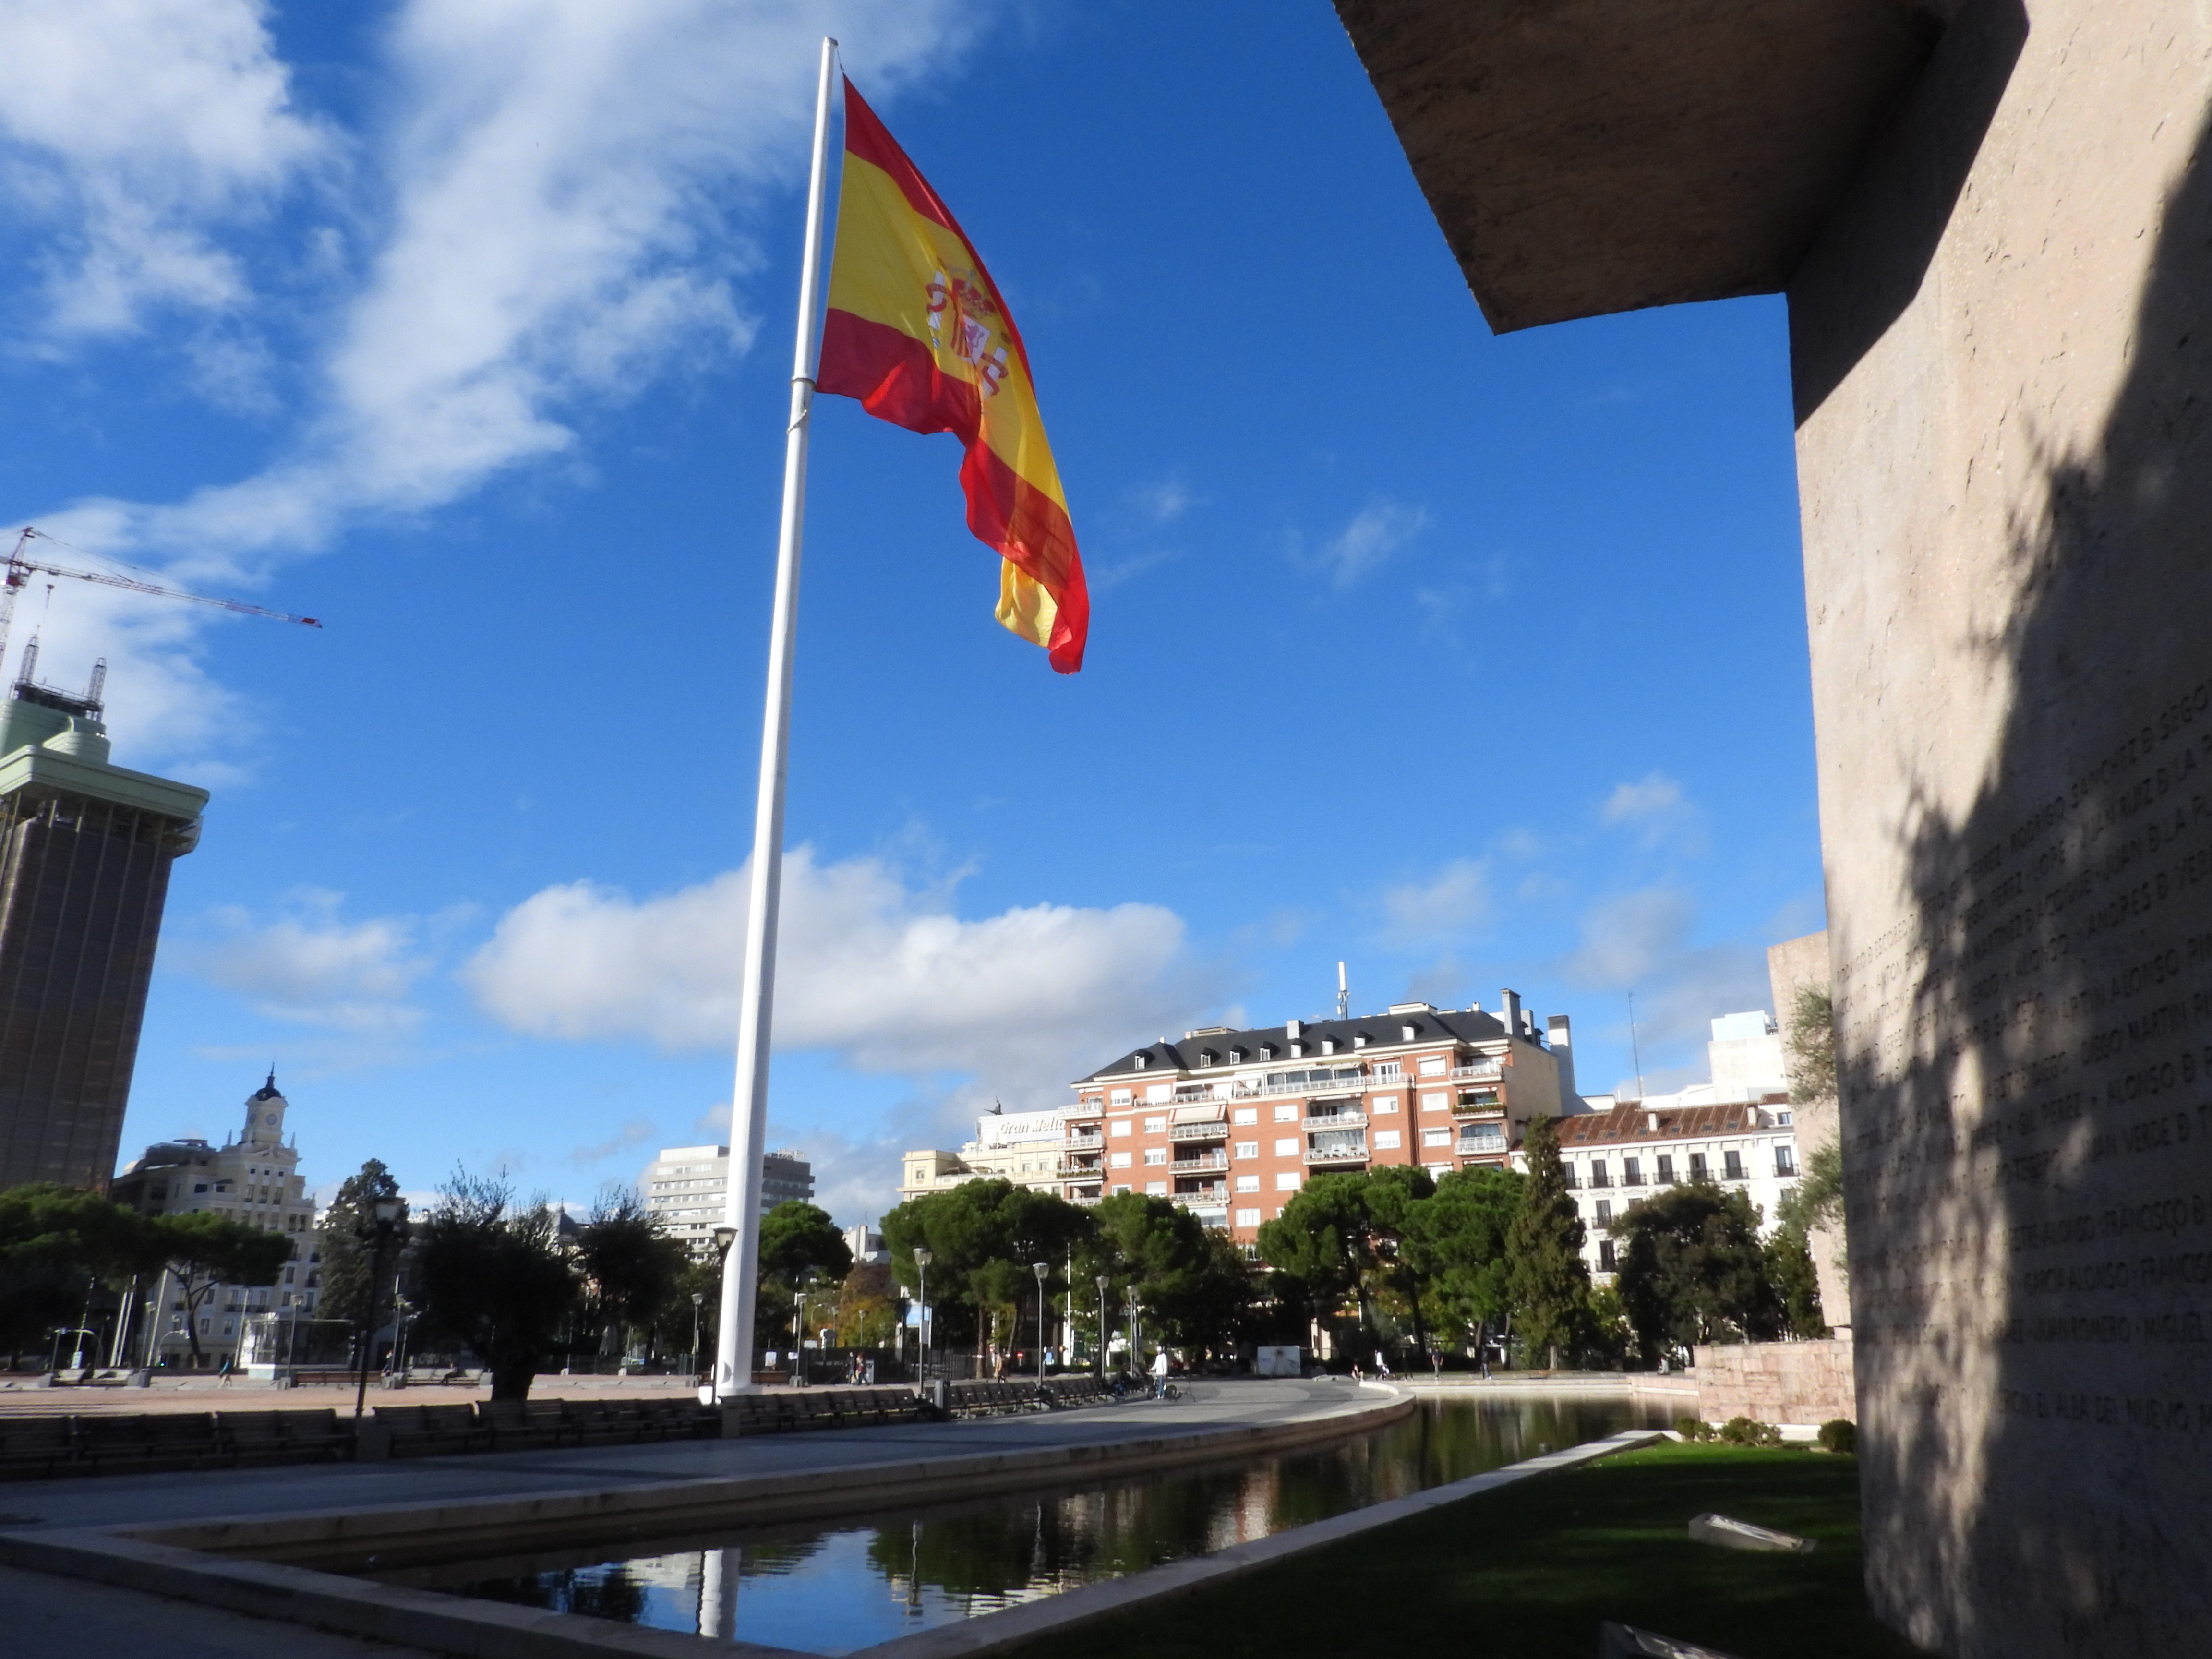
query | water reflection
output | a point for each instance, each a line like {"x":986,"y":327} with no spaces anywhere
{"x":831,"y":1588}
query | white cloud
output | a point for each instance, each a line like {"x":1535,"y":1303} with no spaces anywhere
{"x":1450,"y":903}
{"x":1375,"y":531}
{"x":876,"y":972}
{"x":635,"y":1133}
{"x":1654,"y":795}
{"x":1656,"y":808}
{"x":135,"y":130}
{"x":556,"y":211}
{"x":312,"y":968}
{"x":1643,"y":941}
{"x":1163,"y":502}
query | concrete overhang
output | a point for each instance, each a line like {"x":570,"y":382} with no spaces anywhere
{"x":1588,"y":156}
{"x":47,"y":771}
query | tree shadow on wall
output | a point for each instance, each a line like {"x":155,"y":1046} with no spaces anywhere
{"x":2027,"y":1182}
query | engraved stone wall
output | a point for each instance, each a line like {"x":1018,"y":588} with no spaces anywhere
{"x":2002,"y":350}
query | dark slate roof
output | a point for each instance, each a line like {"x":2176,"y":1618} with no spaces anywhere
{"x":1381,"y":1031}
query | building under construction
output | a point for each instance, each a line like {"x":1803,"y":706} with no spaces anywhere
{"x":85,"y":850}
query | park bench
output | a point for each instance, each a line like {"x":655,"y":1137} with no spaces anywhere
{"x":148,"y":1442}
{"x":275,"y":1436}
{"x":520,"y":1424}
{"x":431,"y":1431}
{"x":33,"y":1446}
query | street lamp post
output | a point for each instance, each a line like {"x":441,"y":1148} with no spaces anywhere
{"x":377,"y":1232}
{"x":698,"y":1313}
{"x":921,"y":1259}
{"x":1040,"y":1269}
{"x":1102,"y":1282}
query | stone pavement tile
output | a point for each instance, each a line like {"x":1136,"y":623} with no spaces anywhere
{"x":43,"y":1615}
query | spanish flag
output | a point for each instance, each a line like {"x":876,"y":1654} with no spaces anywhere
{"x":916,"y":330}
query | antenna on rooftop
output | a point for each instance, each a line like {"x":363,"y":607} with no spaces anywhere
{"x":1343,"y":995}
{"x":1634,"y":1048}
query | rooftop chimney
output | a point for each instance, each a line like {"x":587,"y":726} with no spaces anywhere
{"x":1509,"y":1011}
{"x":1294,"y":1029}
{"x":1563,"y":1052}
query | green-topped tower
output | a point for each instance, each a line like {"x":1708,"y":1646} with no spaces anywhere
{"x":85,"y":850}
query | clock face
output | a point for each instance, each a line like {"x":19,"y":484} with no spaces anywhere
{"x":271,"y":1120}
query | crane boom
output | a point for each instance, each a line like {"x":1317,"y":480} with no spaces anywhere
{"x":18,"y":569}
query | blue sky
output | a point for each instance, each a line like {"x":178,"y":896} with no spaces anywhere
{"x":465,"y":325}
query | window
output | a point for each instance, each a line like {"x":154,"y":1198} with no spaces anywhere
{"x":1604,"y":1213}
{"x":1122,"y":1125}
{"x":199,"y":1186}
{"x":1156,"y":1126}
{"x":1244,"y":1115}
{"x":1599,"y":1177}
{"x":1631,"y":1172}
{"x":1567,"y":1173}
{"x":1436,"y":1137}
{"x":1388,"y":1069}
{"x":1436,"y":1169}
{"x":1436,"y":1066}
{"x":1156,"y":1154}
{"x":1287,"y":1182}
{"x":1732,"y":1163}
{"x":1156,"y":1190}
{"x":1697,"y":1166}
{"x":1435,"y":1103}
{"x":1117,"y":1160}
{"x":1247,"y":1218}
{"x":1385,"y":1138}
{"x":1287,"y":1147}
{"x":1286,"y":1114}
{"x":1385,"y":1103}
{"x":1158,"y":1092}
{"x":1247,"y":1149}
{"x":1121,"y":1191}
{"x":1605,"y":1255}
{"x":1248,"y":1184}
{"x":1666,"y":1176}
{"x":1122,"y":1097}
{"x":1785,"y":1117}
{"x":1785,"y":1160}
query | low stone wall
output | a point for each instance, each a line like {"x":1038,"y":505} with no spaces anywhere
{"x":1776,"y":1382}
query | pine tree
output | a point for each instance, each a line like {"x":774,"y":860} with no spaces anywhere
{"x":1549,"y":1283}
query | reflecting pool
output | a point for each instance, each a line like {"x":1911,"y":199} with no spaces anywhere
{"x":830,"y":1587}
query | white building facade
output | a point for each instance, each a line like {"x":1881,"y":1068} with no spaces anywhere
{"x":687,"y":1190}
{"x":1023,"y":1147}
{"x":253,"y":1179}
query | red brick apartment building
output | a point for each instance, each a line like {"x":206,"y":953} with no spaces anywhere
{"x":1230,"y":1123}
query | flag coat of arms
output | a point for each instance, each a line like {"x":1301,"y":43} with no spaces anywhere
{"x":918,"y":332}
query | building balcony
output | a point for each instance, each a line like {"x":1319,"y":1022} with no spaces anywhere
{"x":1478,"y":1102}
{"x":1086,"y":1198}
{"x":1203,"y":1161}
{"x":1213,"y":1129}
{"x":1480,"y":1068}
{"x":1085,"y":1138}
{"x":1355,"y":1154}
{"x":1336,"y":1120}
{"x":1077,"y":1167}
{"x":1211,"y":1192}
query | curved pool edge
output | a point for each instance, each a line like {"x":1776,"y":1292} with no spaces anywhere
{"x":1009,"y":1627}
{"x":247,"y":1563}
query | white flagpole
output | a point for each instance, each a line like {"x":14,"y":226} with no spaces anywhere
{"x":749,"y":1100}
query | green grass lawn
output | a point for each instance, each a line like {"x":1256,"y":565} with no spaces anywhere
{"x":1528,"y":1571}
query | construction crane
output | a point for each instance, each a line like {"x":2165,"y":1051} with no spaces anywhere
{"x":18,"y":571}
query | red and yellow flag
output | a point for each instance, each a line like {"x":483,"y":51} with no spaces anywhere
{"x":916,"y":330}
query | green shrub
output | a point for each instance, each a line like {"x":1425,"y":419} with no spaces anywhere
{"x":1694,"y":1428}
{"x":1748,"y":1431}
{"x":1840,"y":1434}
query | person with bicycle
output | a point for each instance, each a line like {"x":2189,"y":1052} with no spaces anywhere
{"x":1160,"y":1375}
